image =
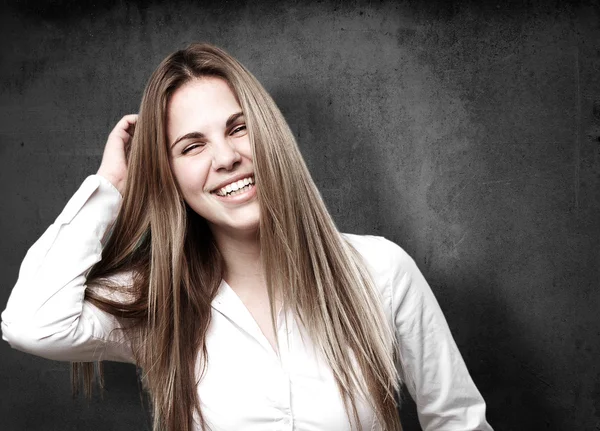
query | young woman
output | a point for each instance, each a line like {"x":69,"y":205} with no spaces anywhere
{"x":202,"y":252}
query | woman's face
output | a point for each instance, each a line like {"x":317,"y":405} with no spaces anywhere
{"x":211,"y":156}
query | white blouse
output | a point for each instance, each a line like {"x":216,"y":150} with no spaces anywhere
{"x":247,"y":386}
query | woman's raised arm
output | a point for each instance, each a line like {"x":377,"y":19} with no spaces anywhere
{"x":114,"y":159}
{"x":46,"y":313}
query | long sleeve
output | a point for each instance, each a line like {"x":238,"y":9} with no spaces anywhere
{"x":46,"y":313}
{"x":436,"y":375}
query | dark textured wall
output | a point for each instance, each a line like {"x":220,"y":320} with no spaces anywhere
{"x":465,"y":131}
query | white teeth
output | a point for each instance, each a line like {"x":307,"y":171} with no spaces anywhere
{"x":235,"y":187}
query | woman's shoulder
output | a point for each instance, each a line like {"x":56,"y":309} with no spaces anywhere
{"x":386,"y":261}
{"x":379,"y":253}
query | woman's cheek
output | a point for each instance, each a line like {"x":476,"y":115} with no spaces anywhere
{"x":191,"y":176}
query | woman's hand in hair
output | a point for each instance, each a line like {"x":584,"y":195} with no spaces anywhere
{"x":114,"y":159}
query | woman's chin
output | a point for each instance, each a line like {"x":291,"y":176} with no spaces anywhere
{"x":241,"y":227}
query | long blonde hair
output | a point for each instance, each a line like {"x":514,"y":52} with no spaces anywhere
{"x":177,"y":267}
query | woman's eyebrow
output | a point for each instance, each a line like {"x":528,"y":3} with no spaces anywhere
{"x":191,"y":135}
{"x":199,"y":135}
{"x":233,"y":117}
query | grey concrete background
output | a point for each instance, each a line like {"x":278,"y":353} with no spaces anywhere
{"x":467,"y":132}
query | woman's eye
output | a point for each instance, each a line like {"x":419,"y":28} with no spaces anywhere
{"x":238,"y":129}
{"x":190,"y":148}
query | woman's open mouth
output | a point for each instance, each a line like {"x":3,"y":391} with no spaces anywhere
{"x":235,"y":188}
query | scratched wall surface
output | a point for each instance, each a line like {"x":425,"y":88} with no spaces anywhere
{"x":467,"y":132}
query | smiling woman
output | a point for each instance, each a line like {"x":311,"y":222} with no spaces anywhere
{"x":205,"y":255}
{"x":211,"y":156}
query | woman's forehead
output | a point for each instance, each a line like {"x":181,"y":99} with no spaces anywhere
{"x":200,"y":103}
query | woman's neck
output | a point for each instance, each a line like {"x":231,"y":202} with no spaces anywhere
{"x":241,"y":257}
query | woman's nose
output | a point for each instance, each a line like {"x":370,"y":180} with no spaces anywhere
{"x":225,"y":155}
